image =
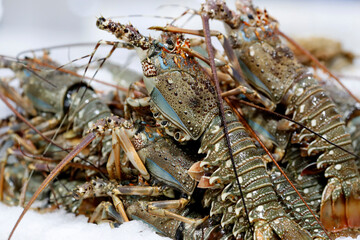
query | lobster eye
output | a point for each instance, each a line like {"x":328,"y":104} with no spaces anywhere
{"x":154,"y":50}
{"x":170,"y":44}
{"x":177,"y":136}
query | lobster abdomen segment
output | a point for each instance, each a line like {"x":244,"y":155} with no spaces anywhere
{"x":265,"y":212}
{"x":310,"y":105}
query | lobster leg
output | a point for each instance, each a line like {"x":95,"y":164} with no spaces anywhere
{"x":26,"y":144}
{"x":159,"y":208}
{"x":47,"y":124}
{"x":141,"y":102}
{"x":3,"y":159}
{"x":130,"y":152}
{"x":143,"y":191}
{"x":119,"y":206}
{"x":178,"y":229}
{"x":101,"y":188}
{"x":113,"y":164}
{"x":105,"y":211}
{"x":250,"y":94}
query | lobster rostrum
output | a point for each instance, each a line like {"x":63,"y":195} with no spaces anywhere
{"x":272,"y":69}
{"x":183,"y":101}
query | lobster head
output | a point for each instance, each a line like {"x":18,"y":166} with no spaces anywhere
{"x":182,"y":95}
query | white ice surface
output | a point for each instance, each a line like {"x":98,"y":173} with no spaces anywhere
{"x":33,"y":24}
{"x":60,"y":225}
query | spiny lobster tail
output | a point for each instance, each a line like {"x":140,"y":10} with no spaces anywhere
{"x":260,"y":198}
{"x":310,"y":188}
{"x":311,"y":106}
{"x":127,"y":33}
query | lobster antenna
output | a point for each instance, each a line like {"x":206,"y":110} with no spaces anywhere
{"x":175,"y":5}
{"x":87,"y":140}
{"x":141,"y":15}
{"x":87,"y":67}
{"x":61,"y":69}
{"x":253,"y":134}
{"x":205,"y":21}
{"x":301,"y":125}
{"x":124,"y":45}
{"x":54,"y":47}
{"x":8,"y":64}
{"x":75,"y":165}
{"x":3,"y":98}
{"x":346,"y":77}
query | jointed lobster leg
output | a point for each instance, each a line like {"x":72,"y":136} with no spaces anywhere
{"x":105,"y":211}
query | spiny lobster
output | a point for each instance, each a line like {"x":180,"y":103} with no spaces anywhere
{"x":181,"y":130}
{"x":272,"y":69}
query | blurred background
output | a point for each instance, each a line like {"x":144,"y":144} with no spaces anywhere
{"x":40,"y":23}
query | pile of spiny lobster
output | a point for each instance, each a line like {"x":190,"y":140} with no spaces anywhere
{"x":241,"y":142}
